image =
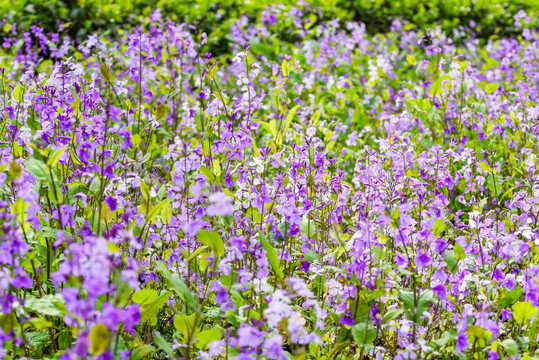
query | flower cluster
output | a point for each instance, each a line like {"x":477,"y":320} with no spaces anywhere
{"x":318,"y":193}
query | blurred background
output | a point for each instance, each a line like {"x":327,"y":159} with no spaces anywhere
{"x":82,"y":17}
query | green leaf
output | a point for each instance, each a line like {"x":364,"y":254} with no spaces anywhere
{"x":490,"y":88}
{"x":8,"y":322}
{"x":289,"y":117}
{"x":523,"y":312}
{"x":512,"y":296}
{"x":15,"y":170}
{"x":151,"y":310}
{"x":451,"y":261}
{"x":485,"y":167}
{"x":411,"y":59}
{"x":156,"y":210}
{"x":439,"y":227}
{"x":38,"y":169}
{"x":99,"y":339}
{"x":272,"y":257}
{"x":207,"y":172}
{"x":141,"y":352}
{"x":459,"y":252}
{"x":55,"y":157}
{"x":476,"y":331}
{"x":54,"y":192}
{"x":364,"y":334}
{"x":285,"y":67}
{"x":18,"y":94}
{"x":95,"y":186}
{"x":211,"y":74}
{"x":391,"y":314}
{"x":163,"y":344}
{"x":510,"y":347}
{"x":52,"y":305}
{"x":105,"y":72}
{"x":135,"y":140}
{"x":207,"y":336}
{"x":145,"y":296}
{"x":409,"y":302}
{"x":166,"y":214}
{"x":160,"y":112}
{"x":36,"y":338}
{"x":177,"y":284}
{"x":275,"y":92}
{"x":185,"y":324}
{"x":213,"y":240}
{"x":437,"y":86}
{"x":446,"y":336}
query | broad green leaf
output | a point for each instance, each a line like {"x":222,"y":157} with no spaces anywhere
{"x":411,"y":59}
{"x":140,"y":352}
{"x":177,"y":284}
{"x":364,"y":334}
{"x":476,"y":331}
{"x":185,"y":324}
{"x":18,"y":94}
{"x":459,"y":252}
{"x":213,"y":240}
{"x":211,"y":74}
{"x":152,"y":214}
{"x":105,"y":72}
{"x":145,"y":296}
{"x":38,"y":169}
{"x":451,"y":261}
{"x":160,"y":112}
{"x":95,"y":186}
{"x":135,"y":140}
{"x":510,"y":346}
{"x":166,"y":214}
{"x":36,"y":338}
{"x":437,"y":86}
{"x":412,"y":310}
{"x":391,"y":314}
{"x":15,"y":170}
{"x":439,"y":227}
{"x":289,"y":117}
{"x":8,"y":322}
{"x":99,"y":339}
{"x":151,"y":310}
{"x":285,"y":67}
{"x":207,"y":336}
{"x":208,"y":173}
{"x":523,"y":312}
{"x":55,"y":157}
{"x":485,"y":167}
{"x":490,"y":88}
{"x":52,"y":305}
{"x":163,"y":344}
{"x":512,"y":296}
{"x":272,"y":257}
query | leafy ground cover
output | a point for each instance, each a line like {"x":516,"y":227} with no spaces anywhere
{"x":318,"y":193}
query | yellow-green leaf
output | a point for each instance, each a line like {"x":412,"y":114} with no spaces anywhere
{"x":15,"y":170}
{"x":285,"y":67}
{"x":523,"y":312}
{"x":99,"y":339}
{"x":213,"y":240}
{"x":18,"y":94}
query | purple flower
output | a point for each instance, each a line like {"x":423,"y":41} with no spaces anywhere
{"x":249,"y":336}
{"x":423,"y":260}
{"x":347,"y":320}
{"x":112,"y":203}
{"x":221,"y":204}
